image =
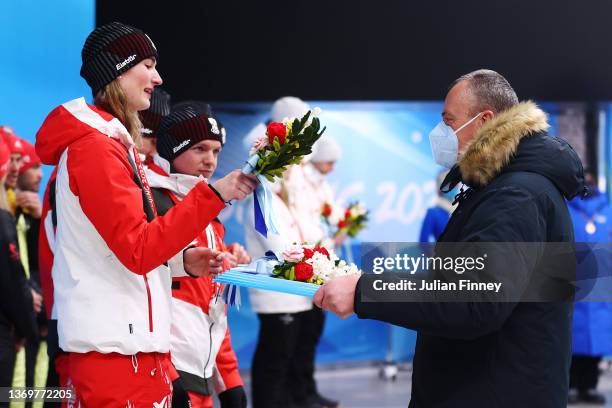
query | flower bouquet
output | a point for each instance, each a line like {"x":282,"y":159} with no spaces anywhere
{"x":315,"y":265}
{"x":299,"y":270}
{"x":285,"y":143}
{"x":349,"y":221}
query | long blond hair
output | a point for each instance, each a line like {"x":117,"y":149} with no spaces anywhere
{"x":112,"y":99}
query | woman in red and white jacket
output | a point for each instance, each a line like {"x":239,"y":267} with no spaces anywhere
{"x":189,"y":141}
{"x":113,"y":257}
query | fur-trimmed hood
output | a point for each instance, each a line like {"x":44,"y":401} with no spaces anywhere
{"x":496,"y":141}
{"x":508,"y":142}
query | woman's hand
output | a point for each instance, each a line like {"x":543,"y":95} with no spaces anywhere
{"x":201,"y":261}
{"x":239,"y":252}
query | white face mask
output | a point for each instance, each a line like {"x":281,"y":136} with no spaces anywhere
{"x":444,"y":143}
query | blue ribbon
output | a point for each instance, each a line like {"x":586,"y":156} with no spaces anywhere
{"x":260,"y":266}
{"x":262,"y":202}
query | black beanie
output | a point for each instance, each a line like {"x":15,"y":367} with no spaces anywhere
{"x":152,"y":117}
{"x":199,"y":106}
{"x":185,"y":127}
{"x":111,"y":50}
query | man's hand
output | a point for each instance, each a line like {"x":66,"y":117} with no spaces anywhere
{"x":235,"y":186}
{"x":200,"y":261}
{"x":37,"y":300}
{"x":239,"y":252}
{"x":31,"y":202}
{"x":338,"y":295}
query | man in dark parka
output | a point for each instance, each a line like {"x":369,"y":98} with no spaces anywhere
{"x":479,"y":354}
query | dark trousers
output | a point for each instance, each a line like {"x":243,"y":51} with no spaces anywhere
{"x":31,"y":353}
{"x":303,"y":365}
{"x":584,"y":372}
{"x":52,"y":351}
{"x":52,"y":381}
{"x":7,"y":358}
{"x":283,"y":365}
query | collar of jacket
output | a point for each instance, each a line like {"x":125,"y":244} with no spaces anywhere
{"x":177,"y":183}
{"x":495,"y":143}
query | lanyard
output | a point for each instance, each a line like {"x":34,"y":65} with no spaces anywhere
{"x":141,"y":180}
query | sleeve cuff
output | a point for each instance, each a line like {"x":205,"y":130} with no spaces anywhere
{"x":177,"y":264}
{"x":357,"y":306}
{"x":214,"y":190}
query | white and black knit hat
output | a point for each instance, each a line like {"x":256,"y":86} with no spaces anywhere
{"x":185,"y":127}
{"x":111,"y":50}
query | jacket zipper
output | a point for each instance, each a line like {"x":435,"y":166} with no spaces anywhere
{"x":209,"y":348}
{"x":149,"y":303}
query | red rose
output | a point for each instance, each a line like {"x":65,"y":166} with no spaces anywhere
{"x":347,"y":213}
{"x":277,"y":129}
{"x":327,"y":210}
{"x":303,"y":271}
{"x":308,"y":253}
{"x":341,"y":224}
{"x":322,"y":250}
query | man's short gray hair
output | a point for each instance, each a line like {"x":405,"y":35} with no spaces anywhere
{"x":491,"y":90}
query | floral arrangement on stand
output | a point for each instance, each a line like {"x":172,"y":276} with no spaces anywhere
{"x":312,"y":264}
{"x":285,"y":143}
{"x":298,"y":270}
{"x":350,"y":220}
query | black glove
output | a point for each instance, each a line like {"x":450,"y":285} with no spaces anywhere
{"x":233,"y":398}
{"x":180,"y":399}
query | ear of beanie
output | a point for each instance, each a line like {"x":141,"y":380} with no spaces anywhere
{"x":111,"y":50}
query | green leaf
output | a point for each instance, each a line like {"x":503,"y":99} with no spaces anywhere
{"x":291,"y":273}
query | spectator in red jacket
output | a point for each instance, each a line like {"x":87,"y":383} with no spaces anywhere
{"x":17,"y":320}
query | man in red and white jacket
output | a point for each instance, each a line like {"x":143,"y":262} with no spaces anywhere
{"x":201,"y":350}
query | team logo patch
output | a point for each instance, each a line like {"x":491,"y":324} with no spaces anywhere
{"x":179,"y":147}
{"x":213,"y":126}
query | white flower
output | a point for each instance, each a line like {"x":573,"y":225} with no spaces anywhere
{"x":326,"y":269}
{"x":323,"y":267}
{"x":316,"y":111}
{"x":358,"y":209}
{"x":337,"y":215}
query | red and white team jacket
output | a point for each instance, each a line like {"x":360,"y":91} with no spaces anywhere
{"x":112,"y":291}
{"x":200,"y":339}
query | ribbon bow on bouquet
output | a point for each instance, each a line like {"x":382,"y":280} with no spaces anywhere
{"x":285,"y":143}
{"x":245,"y":273}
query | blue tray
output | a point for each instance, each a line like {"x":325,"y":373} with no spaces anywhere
{"x":258,"y":281}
